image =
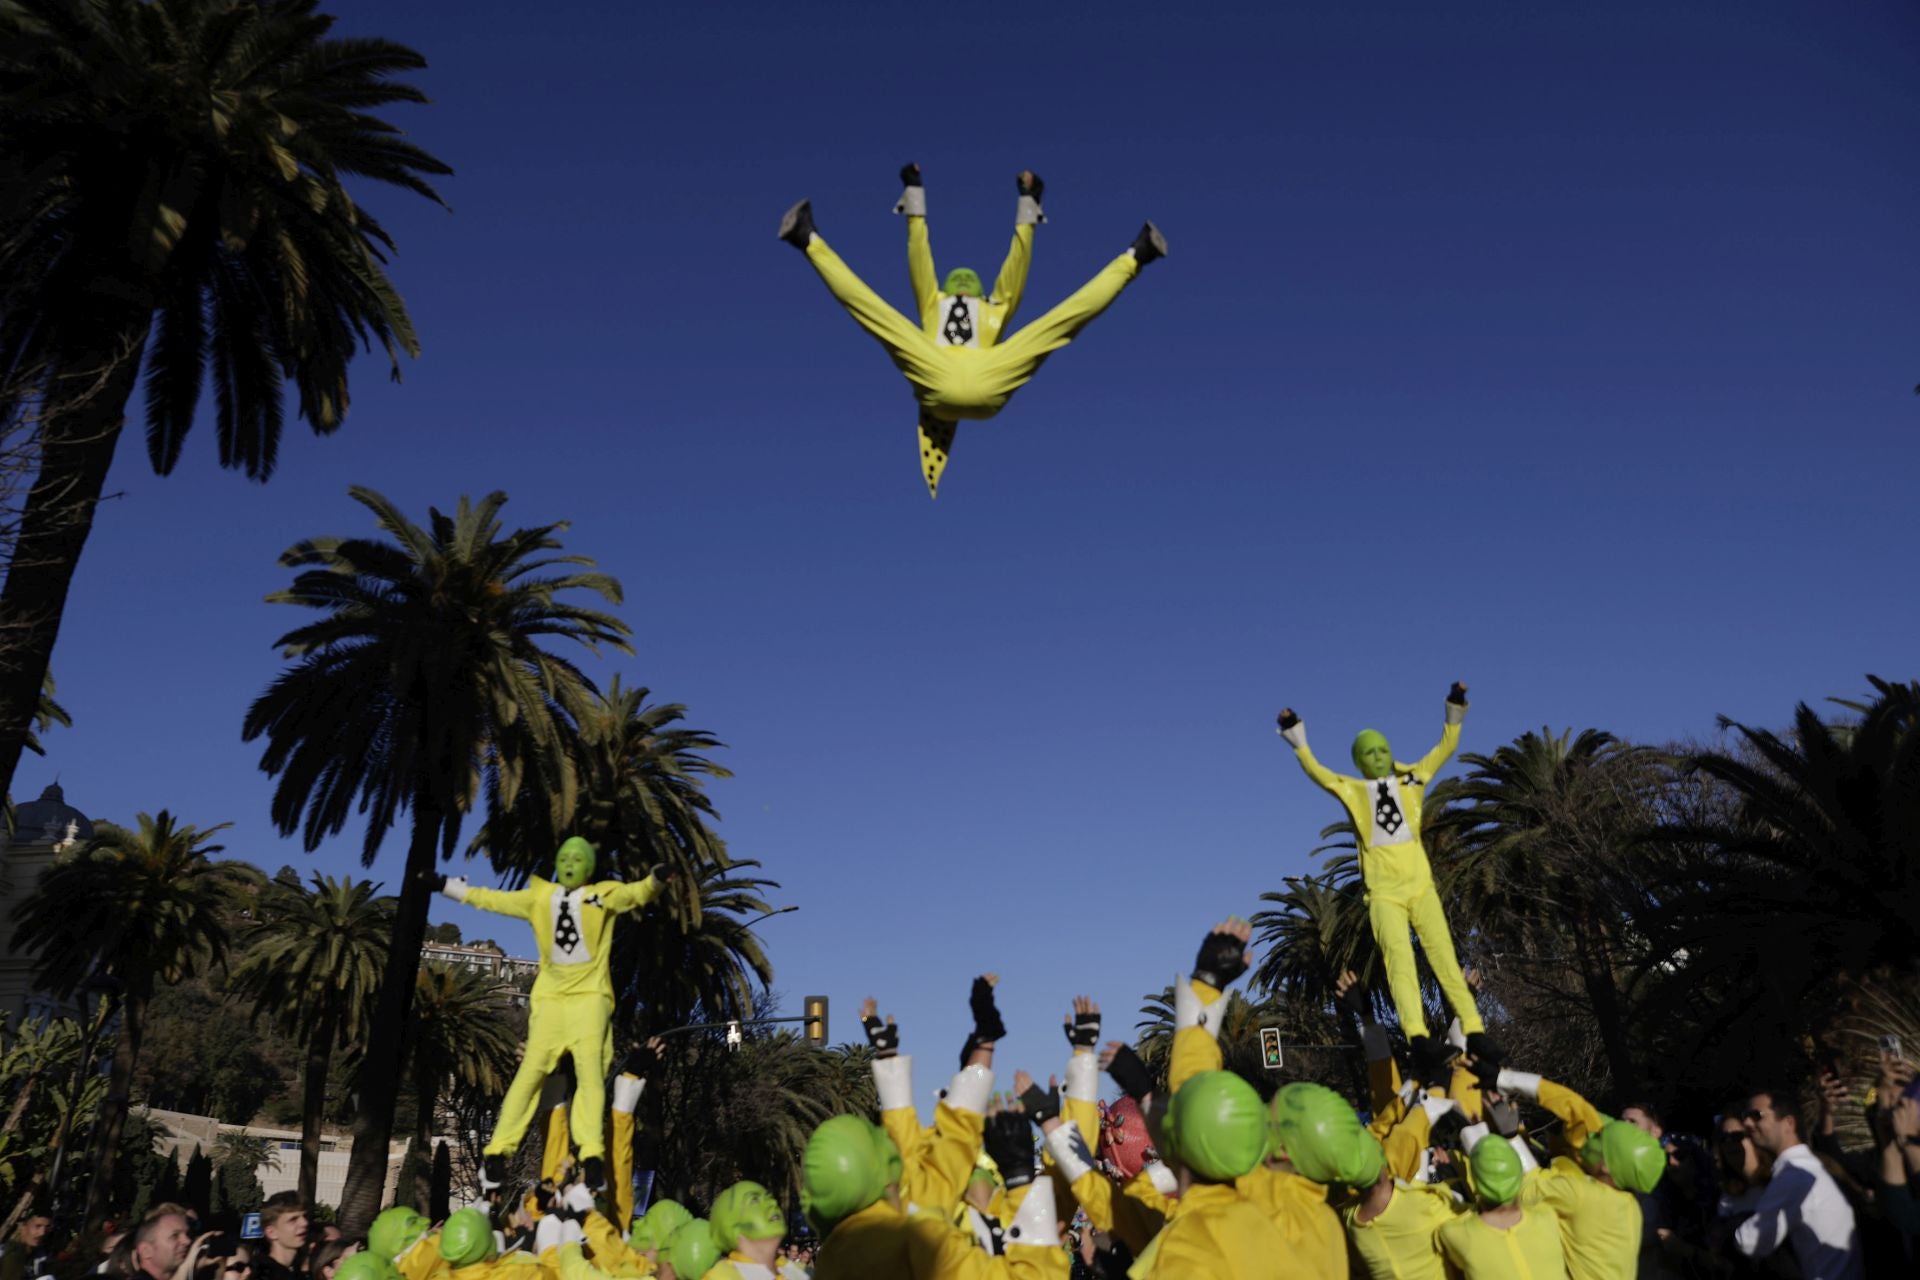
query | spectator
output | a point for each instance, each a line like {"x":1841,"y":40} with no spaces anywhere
{"x":115,"y":1259}
{"x":1800,"y":1202}
{"x":283,"y":1221}
{"x":329,"y":1254}
{"x":160,"y":1243}
{"x":25,"y":1256}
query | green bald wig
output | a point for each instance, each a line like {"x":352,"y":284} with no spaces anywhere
{"x":692,"y":1249}
{"x":365,"y":1265}
{"x":663,"y":1218}
{"x":1321,"y":1136}
{"x":396,"y":1230}
{"x":1497,"y":1171}
{"x":1634,"y":1157}
{"x":1219,"y":1127}
{"x":467,"y":1238}
{"x":893,"y":1168}
{"x":964,"y":280}
{"x":841,"y":1172}
{"x":1371,"y":754}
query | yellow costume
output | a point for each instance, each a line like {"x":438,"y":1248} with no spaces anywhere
{"x":1401,"y":1241}
{"x":881,"y":1240}
{"x":572,"y":998}
{"x":958,"y":360}
{"x":1393,"y":863}
{"x":1528,"y":1250}
{"x":1214,"y":1232}
{"x":935,"y":1163}
{"x":1599,"y":1224}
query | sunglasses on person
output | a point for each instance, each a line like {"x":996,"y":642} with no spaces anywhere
{"x":1753,"y":1115}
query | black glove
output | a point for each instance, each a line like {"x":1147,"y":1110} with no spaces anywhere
{"x":1355,"y":1003}
{"x":1222,"y":958}
{"x":1287,"y":720}
{"x":987,"y":1026}
{"x":1010,"y":1143}
{"x":1084,"y":1031}
{"x":1488,"y":1057}
{"x":641,"y":1061}
{"x":1031,"y":185}
{"x":1458,"y":694}
{"x":1041,"y":1105}
{"x":910,"y":174}
{"x":883,"y":1036}
{"x":661,"y":871}
{"x":1131,"y":1074}
{"x":439,"y":884}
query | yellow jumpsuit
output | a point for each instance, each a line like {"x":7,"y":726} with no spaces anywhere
{"x":934,"y":1163}
{"x":1401,"y":1242}
{"x":421,"y":1260}
{"x":881,"y":1240}
{"x":572,"y":999}
{"x":1393,"y":863}
{"x":1528,"y":1250}
{"x":960,"y":365}
{"x":1214,"y":1232}
{"x":1599,"y":1225}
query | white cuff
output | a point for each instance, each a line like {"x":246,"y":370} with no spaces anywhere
{"x":1083,"y":1077}
{"x":1524,"y":1083}
{"x":1527,"y":1162}
{"x":626,"y":1092}
{"x":1455,"y":1036}
{"x":1374,"y":1043}
{"x":913,"y":202}
{"x":969,"y":1089}
{"x":1437,"y":1107}
{"x":1297,"y":736}
{"x":1189,"y":1012}
{"x":1035,"y":1223}
{"x":1069,"y":1151}
{"x":893,"y":1077}
{"x":547,"y":1234}
{"x":578,"y":1198}
{"x":1471,"y":1135}
{"x":456,"y":888}
{"x":1456,"y":712}
{"x":1162,"y":1178}
{"x":1409,"y":1090}
{"x":1028,"y":213}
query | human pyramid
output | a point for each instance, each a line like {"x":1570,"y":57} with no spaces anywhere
{"x":1193,"y":1177}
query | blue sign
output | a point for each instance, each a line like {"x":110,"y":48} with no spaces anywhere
{"x":250,"y":1226}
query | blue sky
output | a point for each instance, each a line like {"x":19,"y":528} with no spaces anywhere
{"x":1567,"y":353}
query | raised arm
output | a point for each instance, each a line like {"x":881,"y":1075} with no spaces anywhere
{"x":1430,"y":763}
{"x":517,"y":903}
{"x":1582,"y":1119}
{"x":1294,"y":730}
{"x":1199,"y":1001}
{"x":913,"y":203}
{"x":1011,"y":284}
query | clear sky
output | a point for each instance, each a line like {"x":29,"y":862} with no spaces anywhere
{"x":1567,"y":353}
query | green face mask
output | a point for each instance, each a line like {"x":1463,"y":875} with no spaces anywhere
{"x":573,"y":865}
{"x":691,"y":1249}
{"x":1497,"y":1171}
{"x":964,"y":280}
{"x":1219,"y":1126}
{"x":467,"y":1238}
{"x":746,"y":1210}
{"x":395,"y":1231}
{"x":1372,"y":754}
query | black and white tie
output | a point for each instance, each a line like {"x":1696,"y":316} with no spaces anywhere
{"x":1386,"y":810}
{"x":959,"y":330}
{"x":566,"y":932}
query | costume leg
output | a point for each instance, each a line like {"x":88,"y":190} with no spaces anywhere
{"x":936,"y":446}
{"x":546,"y":1041}
{"x":1015,"y":360}
{"x":1430,"y":922}
{"x":911,"y":351}
{"x":591,"y":1018}
{"x":1396,"y":949}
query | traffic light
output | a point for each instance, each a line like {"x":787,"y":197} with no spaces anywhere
{"x":816,"y":1023}
{"x":1270,"y":1057}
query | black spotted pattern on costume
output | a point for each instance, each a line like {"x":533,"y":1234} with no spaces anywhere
{"x":566,"y":930}
{"x":959,"y":327}
{"x":936,"y":445}
{"x":1386,"y":810}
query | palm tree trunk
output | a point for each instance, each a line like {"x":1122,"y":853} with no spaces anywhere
{"x":380,"y":1069}
{"x":78,"y":435}
{"x":1603,"y":994}
{"x":422,"y":1191}
{"x":113,"y":1112}
{"x":314,"y":1105}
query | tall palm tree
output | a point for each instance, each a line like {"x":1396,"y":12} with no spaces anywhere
{"x":140,"y":908}
{"x":642,"y":798}
{"x":669,"y":973}
{"x":173,"y":193}
{"x":462,"y":1035}
{"x":312,"y":963}
{"x":423,"y":688}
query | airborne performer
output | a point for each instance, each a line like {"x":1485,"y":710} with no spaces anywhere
{"x":958,"y":358}
{"x":571,"y":1010}
{"x":1384,"y":804}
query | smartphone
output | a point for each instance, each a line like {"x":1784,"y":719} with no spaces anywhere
{"x":1890,"y":1045}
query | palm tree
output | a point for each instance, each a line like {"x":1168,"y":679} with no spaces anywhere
{"x":423,"y":688}
{"x":174,"y":194}
{"x":46,"y":714}
{"x":139,"y":908}
{"x":671,"y":973}
{"x":462,"y":1035}
{"x":642,"y":792}
{"x":312,"y":963}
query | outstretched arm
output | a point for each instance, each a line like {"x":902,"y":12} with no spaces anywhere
{"x":517,"y":903}
{"x":1430,"y":763}
{"x":913,"y":203}
{"x":619,"y":896}
{"x":1294,"y":730}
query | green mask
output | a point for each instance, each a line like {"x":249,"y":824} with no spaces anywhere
{"x":664,"y":1217}
{"x":365,"y":1265}
{"x":1497,"y":1171}
{"x":1372,"y":755}
{"x":841,"y":1173}
{"x":692,"y":1249}
{"x":573,"y":865}
{"x":1219,"y":1126}
{"x":1634,"y":1157}
{"x":892,"y":1166}
{"x":396,"y":1230}
{"x":746,"y":1210}
{"x":964,"y":280}
{"x":640,"y":1236}
{"x":1322,"y":1137}
{"x":467,"y":1238}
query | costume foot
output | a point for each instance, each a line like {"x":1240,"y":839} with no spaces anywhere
{"x":594,"y":1172}
{"x":1149,"y":244}
{"x":936,"y":446}
{"x":1430,"y":1059}
{"x":493,"y":1171}
{"x":796,"y":228}
{"x":1488,"y":1057}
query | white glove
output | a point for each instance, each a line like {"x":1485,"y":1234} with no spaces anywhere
{"x":456,"y":888}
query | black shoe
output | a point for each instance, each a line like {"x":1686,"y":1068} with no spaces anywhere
{"x":594,"y":1172}
{"x":1149,"y":244}
{"x":1488,"y":1057}
{"x":493,"y":1170}
{"x":1431,"y":1058}
{"x":796,"y":228}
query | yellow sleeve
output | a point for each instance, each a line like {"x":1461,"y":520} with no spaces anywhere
{"x":939,"y":1177}
{"x":1110,"y":1209}
{"x":1464,"y":1088}
{"x":937,"y":1248}
{"x":902,"y":1124}
{"x":517,"y":903}
{"x":1326,"y":777}
{"x":1580,"y":1117}
{"x":1012,"y":284}
{"x":1194,"y":1051}
{"x":926,"y":281}
{"x":618,"y":896}
{"x":610,"y":1249}
{"x":422,"y":1261}
{"x":1141,"y":1190}
{"x":557,"y":1146}
{"x":1383,"y":1095}
{"x":1406,"y":1142}
{"x":1430,"y":763}
{"x":620,"y":1164}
